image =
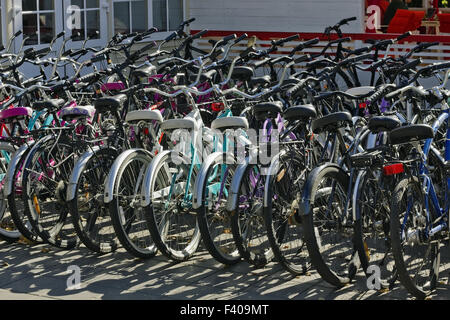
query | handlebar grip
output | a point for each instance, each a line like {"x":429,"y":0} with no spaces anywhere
{"x":240,"y":38}
{"x":98,"y":58}
{"x":347,"y":39}
{"x":190,"y":20}
{"x":302,"y":59}
{"x":171,"y":36}
{"x":356,"y":59}
{"x":384,"y":43}
{"x":150,"y":31}
{"x":144,"y":49}
{"x":345,"y":21}
{"x":67,"y":53}
{"x":361,"y":50}
{"x":28,"y":52}
{"x":305,"y":45}
{"x":321,"y":63}
{"x":78,"y":52}
{"x":43,"y":52}
{"x":18,"y":33}
{"x":199,"y":34}
{"x":294,"y":90}
{"x":311,"y":42}
{"x":61,"y":34}
{"x":89,"y":77}
{"x":261,"y":63}
{"x":291,"y":38}
{"x":411,"y":64}
{"x":426,"y":45}
{"x":163,"y":61}
{"x":228,"y":38}
{"x":281,"y":41}
{"x":405,"y":35}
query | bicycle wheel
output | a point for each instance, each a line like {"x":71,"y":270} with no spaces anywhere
{"x":127,"y":215}
{"x":16,"y":204}
{"x":90,"y":216}
{"x":46,"y":174}
{"x":247,"y":222}
{"x":372,"y":227}
{"x":171,"y":219}
{"x":213,"y":219}
{"x":8,"y":230}
{"x":416,"y":259}
{"x":285,"y":233}
{"x":328,"y":227}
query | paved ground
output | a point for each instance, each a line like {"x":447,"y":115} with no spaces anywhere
{"x":40,"y":272}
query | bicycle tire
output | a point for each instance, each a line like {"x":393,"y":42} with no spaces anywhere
{"x":215,"y":224}
{"x":159,"y":225}
{"x":335,"y":269}
{"x":90,"y":217}
{"x":139,"y":161}
{"x":412,"y":188}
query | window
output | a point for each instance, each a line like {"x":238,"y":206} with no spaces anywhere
{"x":140,"y":15}
{"x":38,"y":21}
{"x":90,"y":19}
{"x":130,"y":16}
{"x":167,"y":14}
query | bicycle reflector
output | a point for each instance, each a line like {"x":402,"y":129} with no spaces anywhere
{"x":393,"y":169}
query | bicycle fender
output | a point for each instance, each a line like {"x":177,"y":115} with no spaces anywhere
{"x":76,"y":172}
{"x":114,"y":171}
{"x":308,"y":194}
{"x":201,"y":177}
{"x":273,"y":168}
{"x":146,"y":182}
{"x":7,"y":190}
{"x":354,"y":193}
{"x":235,"y":183}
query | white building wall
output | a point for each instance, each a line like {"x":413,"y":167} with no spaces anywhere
{"x":275,"y":15}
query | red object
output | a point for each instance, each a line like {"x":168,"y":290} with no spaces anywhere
{"x":403,"y":21}
{"x":362,"y":105}
{"x":217,"y":106}
{"x":418,"y":17}
{"x":393,"y":169}
{"x":444,"y":20}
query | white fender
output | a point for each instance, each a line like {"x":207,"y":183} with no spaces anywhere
{"x":110,"y":181}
